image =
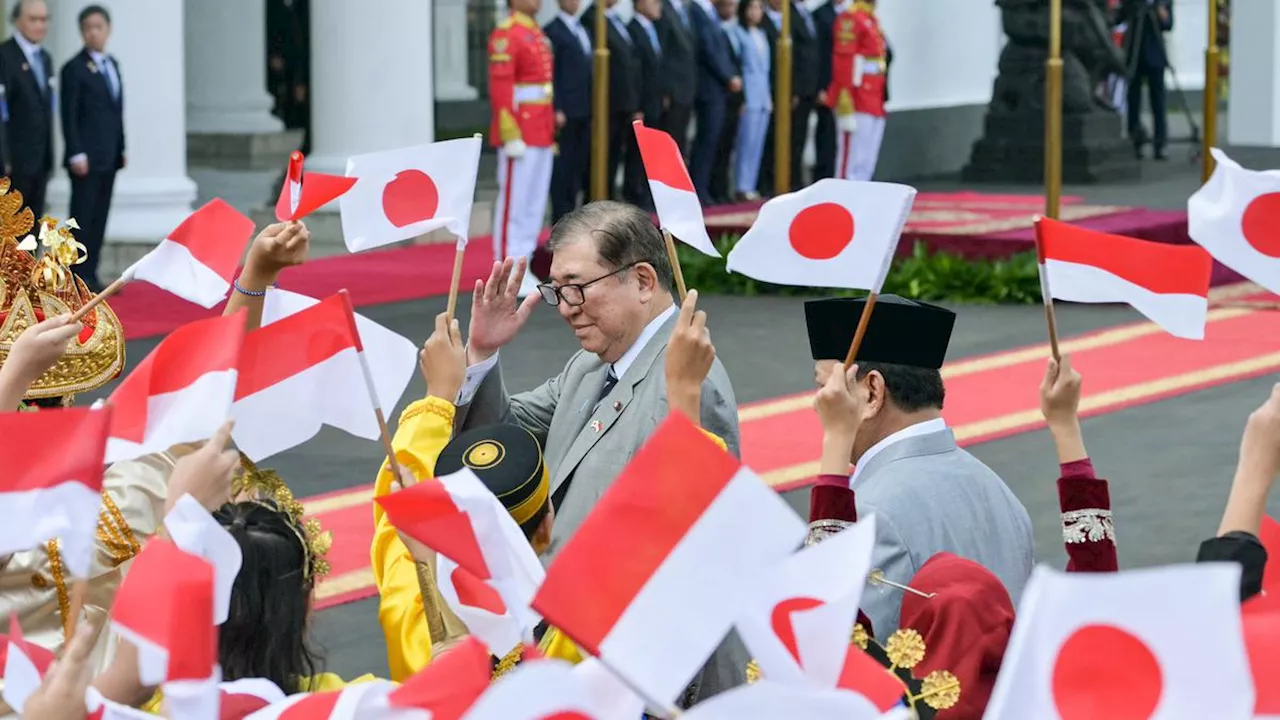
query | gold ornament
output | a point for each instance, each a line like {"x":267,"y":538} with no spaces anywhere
{"x":860,"y":637}
{"x":939,"y":690}
{"x":753,"y":672}
{"x":267,"y":488}
{"x":508,"y":662}
{"x":905,"y":649}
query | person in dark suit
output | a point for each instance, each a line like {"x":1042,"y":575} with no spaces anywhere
{"x":26,"y":73}
{"x":717,"y":79}
{"x":571,"y":82}
{"x":679,"y":70}
{"x":93,"y":131}
{"x":824,"y":131}
{"x":805,"y":76}
{"x":721,"y":188}
{"x":1145,"y":23}
{"x":648,"y":48}
{"x":624,"y":84}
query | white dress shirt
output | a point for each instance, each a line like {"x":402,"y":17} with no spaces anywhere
{"x":477,"y":373}
{"x":575,"y":26}
{"x":921,"y":428}
{"x":32,"y":53}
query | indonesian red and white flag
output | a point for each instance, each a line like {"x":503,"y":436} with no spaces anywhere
{"x":1119,"y":645}
{"x":25,"y":665}
{"x":300,"y":373}
{"x":1269,"y":536}
{"x":798,"y":628}
{"x":538,"y":690}
{"x":165,"y":607}
{"x":353,"y":702}
{"x":1167,"y":283}
{"x":674,"y":197}
{"x":300,"y":196}
{"x":486,"y":570}
{"x":834,"y":233}
{"x":181,"y":392}
{"x":195,"y":531}
{"x":609,"y":693}
{"x":447,"y":687}
{"x":52,"y":481}
{"x":198,"y":260}
{"x":766,"y":700}
{"x":394,"y":355}
{"x":711,"y":530}
{"x":1236,"y":217}
{"x":241,"y":698}
{"x":1262,"y":639}
{"x":404,"y":193}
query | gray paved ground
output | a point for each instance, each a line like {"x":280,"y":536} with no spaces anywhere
{"x":1170,"y":463}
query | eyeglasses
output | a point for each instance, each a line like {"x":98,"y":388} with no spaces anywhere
{"x":575,"y":294}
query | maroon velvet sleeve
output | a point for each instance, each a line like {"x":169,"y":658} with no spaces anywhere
{"x":1088,"y":532}
{"x":833,"y":480}
{"x":1082,"y":469}
{"x":830,"y":502}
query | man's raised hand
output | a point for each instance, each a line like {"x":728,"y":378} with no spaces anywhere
{"x":496,"y":313}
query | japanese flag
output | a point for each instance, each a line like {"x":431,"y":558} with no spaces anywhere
{"x":711,"y":529}
{"x":401,"y":194}
{"x":197,"y":260}
{"x":1167,"y":283}
{"x":767,"y":700}
{"x":679,"y":211}
{"x":1160,"y":643}
{"x":798,"y":628}
{"x":1236,"y":217}
{"x":834,"y":234}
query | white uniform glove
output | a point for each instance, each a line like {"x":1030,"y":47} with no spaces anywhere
{"x":515,"y":149}
{"x":847,"y":123}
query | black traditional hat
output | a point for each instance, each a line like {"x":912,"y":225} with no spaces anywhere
{"x":901,"y":331}
{"x":508,"y":460}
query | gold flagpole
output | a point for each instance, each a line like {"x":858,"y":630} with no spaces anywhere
{"x":1212,"y":56}
{"x":1053,"y":114}
{"x":600,"y":109}
{"x":782,"y":106}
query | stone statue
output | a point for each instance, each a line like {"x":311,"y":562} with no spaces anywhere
{"x":1012,"y":146}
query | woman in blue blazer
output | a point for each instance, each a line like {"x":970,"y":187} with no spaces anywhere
{"x":757,"y":109}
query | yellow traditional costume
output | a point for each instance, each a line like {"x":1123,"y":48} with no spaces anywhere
{"x":33,"y":584}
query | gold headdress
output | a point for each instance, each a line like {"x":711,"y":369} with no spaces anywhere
{"x":32,"y":290}
{"x":939,"y":690}
{"x":268,"y":488}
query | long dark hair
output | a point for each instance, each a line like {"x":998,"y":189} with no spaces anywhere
{"x":265,"y":635}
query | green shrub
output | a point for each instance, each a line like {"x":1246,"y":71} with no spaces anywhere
{"x":922,"y":276}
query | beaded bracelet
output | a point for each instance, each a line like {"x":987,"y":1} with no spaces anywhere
{"x":250,"y":293}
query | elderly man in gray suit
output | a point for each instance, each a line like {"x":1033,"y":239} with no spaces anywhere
{"x":927,"y":494}
{"x":612,"y":281}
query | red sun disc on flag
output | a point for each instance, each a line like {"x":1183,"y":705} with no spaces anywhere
{"x":1260,"y":224}
{"x":781,"y":620}
{"x":410,"y":198}
{"x":1103,"y":671}
{"x":822,"y":231}
{"x":476,"y":593}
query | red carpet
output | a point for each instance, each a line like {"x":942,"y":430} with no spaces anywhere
{"x":988,"y":397}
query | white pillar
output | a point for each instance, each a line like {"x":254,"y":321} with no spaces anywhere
{"x":153,"y":193}
{"x":226,"y":74}
{"x":374,"y":94}
{"x":1254,"y":86}
{"x":451,"y":51}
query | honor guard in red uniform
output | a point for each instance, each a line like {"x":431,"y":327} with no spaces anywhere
{"x":857,"y":92}
{"x":523,"y":130}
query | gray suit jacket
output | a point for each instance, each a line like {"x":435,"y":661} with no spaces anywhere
{"x":929,"y":496}
{"x":591,"y":444}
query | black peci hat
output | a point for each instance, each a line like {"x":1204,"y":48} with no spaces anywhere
{"x":901,"y":331}
{"x":508,"y":460}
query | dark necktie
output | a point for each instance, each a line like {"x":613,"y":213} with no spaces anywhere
{"x":609,"y":382}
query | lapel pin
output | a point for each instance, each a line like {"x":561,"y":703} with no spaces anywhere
{"x":26,"y":67}
{"x":596,"y":426}
{"x":617,"y":405}
{"x":93,"y":68}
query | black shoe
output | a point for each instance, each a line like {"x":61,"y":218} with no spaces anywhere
{"x":1137,"y":151}
{"x":1159,"y":155}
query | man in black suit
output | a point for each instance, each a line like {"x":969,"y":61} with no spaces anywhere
{"x":1146,"y":21}
{"x":93,"y":128}
{"x":824,"y":131}
{"x":679,"y":69}
{"x":624,"y":85}
{"x":804,"y":88}
{"x":648,"y":47}
{"x":26,"y":73}
{"x":718,"y":78}
{"x":571,"y":82}
{"x":721,"y":187}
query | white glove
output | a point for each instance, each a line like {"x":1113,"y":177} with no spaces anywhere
{"x":515,"y":149}
{"x":847,"y":123}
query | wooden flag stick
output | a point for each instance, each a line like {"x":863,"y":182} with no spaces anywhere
{"x":1050,"y":318}
{"x":675,"y":264}
{"x":388,"y":447}
{"x":455,"y":282}
{"x":96,"y":300}
{"x":861,"y":332}
{"x":79,"y":588}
